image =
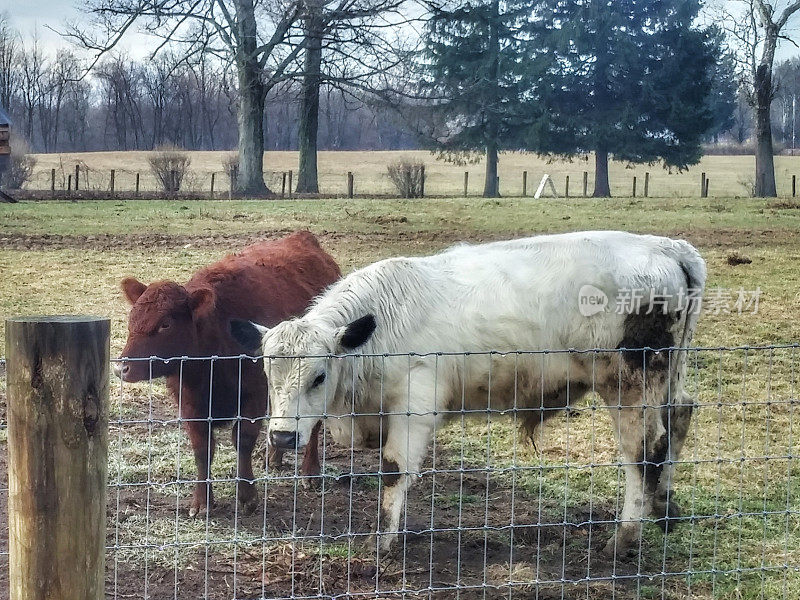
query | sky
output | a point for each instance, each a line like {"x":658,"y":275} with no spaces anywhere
{"x":42,"y":16}
{"x":39,"y":15}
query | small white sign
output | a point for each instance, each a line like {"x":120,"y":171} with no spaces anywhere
{"x":540,"y":190}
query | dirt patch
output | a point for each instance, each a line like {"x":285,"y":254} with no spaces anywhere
{"x":784,"y":205}
{"x":735,"y":259}
{"x":703,"y":238}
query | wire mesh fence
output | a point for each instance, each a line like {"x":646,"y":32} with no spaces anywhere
{"x":496,"y":509}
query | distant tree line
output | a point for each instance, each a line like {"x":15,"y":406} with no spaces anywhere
{"x":641,"y":82}
{"x":126,"y":104}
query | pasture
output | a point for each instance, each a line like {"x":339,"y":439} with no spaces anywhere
{"x":739,"y":483}
{"x":729,"y":176}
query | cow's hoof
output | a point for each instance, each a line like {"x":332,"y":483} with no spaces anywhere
{"x":668,"y":516}
{"x":311,"y":482}
{"x":249,"y":506}
{"x":620,"y":545}
{"x":196,"y":511}
{"x":248,"y":497}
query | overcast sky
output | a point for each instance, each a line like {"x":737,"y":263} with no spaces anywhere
{"x":37,"y":15}
{"x":29,"y":16}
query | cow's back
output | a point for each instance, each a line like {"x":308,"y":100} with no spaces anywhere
{"x":516,"y":295}
{"x":269,"y":281}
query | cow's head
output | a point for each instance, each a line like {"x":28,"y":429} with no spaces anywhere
{"x":162,"y":322}
{"x":303,"y":371}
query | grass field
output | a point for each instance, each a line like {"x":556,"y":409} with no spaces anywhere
{"x":728,"y":175}
{"x":741,"y":480}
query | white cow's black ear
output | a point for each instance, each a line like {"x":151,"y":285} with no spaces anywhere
{"x":356,"y":333}
{"x":248,"y":334}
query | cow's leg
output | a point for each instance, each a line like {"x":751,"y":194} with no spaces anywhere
{"x":677,"y":419}
{"x":201,"y":437}
{"x":407,"y":442}
{"x":643,"y":442}
{"x":310,"y":467}
{"x":244,"y":435}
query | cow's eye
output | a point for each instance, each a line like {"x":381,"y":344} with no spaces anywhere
{"x":164,"y":325}
{"x":318,"y":380}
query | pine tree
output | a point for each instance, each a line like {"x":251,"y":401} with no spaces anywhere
{"x":633,"y":81}
{"x":479,"y":59}
{"x":722,"y":98}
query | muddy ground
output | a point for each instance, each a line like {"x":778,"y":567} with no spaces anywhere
{"x":313,"y":543}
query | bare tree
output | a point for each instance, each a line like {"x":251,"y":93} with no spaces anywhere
{"x":32,"y":70}
{"x":755,"y":27}
{"x":226,"y":28}
{"x":9,"y":55}
{"x":351,"y":34}
{"x":121,"y":80}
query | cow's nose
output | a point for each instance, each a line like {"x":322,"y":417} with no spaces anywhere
{"x":285,"y":440}
{"x":120,"y":370}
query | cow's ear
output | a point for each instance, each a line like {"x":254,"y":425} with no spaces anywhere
{"x":248,"y":334}
{"x":202,"y":301}
{"x":132,"y":288}
{"x":356,"y":333}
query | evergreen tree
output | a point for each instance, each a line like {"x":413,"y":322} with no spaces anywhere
{"x":722,"y":98}
{"x":479,"y":58}
{"x":633,"y":81}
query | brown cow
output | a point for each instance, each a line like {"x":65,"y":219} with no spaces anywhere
{"x":267,"y":283}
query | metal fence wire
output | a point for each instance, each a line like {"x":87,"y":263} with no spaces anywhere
{"x":497,"y":510}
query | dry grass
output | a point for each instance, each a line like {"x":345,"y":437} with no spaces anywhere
{"x":729,"y":175}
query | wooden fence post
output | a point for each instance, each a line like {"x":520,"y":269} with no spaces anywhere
{"x":213,"y":175}
{"x":585,"y":183}
{"x":466,"y":182}
{"x":57,"y":456}
{"x":794,"y":185}
{"x":283,"y":184}
{"x":52,"y":182}
{"x":703,"y":184}
{"x":566,"y":187}
{"x":77,"y":176}
{"x":705,"y":191}
{"x":422,"y":181}
{"x":69,"y":183}
{"x":497,"y":185}
{"x":350,"y":184}
{"x":646,"y":183}
{"x":137,"y":185}
{"x":113,"y":173}
{"x":634,"y":186}
{"x":290,"y":183}
{"x":524,"y":183}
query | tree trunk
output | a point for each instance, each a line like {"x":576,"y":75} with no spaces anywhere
{"x":490,"y":184}
{"x":601,"y":187}
{"x":490,"y":187}
{"x":765,"y":168}
{"x":252,"y":96}
{"x":307,"y":181}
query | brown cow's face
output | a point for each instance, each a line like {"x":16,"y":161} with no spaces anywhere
{"x":161,"y":323}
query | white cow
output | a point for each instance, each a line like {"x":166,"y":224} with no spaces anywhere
{"x":553,"y":292}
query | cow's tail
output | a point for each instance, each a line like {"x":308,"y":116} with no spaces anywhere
{"x":694,"y":269}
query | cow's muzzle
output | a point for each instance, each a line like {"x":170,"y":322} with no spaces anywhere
{"x":283,"y":440}
{"x":121,"y":370}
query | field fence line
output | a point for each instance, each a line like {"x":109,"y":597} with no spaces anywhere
{"x":492,"y":512}
{"x":126,"y":182}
